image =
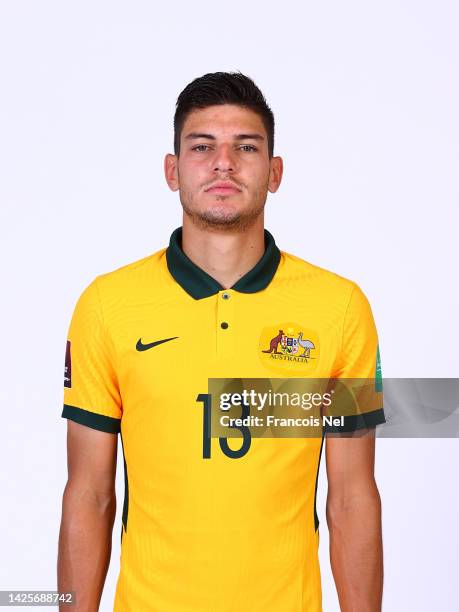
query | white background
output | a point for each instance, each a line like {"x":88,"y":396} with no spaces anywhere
{"x":365,"y":96}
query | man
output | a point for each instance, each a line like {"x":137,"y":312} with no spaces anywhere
{"x":215,"y":524}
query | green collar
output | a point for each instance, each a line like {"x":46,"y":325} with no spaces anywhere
{"x":199,"y":284}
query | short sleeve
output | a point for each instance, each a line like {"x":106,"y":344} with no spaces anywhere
{"x":359,"y":360}
{"x":91,"y":392}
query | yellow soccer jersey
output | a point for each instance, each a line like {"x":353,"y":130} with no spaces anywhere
{"x":206,"y":528}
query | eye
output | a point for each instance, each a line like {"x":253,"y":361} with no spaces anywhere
{"x":200,"y":148}
{"x":248,"y":148}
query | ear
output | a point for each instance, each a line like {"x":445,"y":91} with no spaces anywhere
{"x":275,"y":174}
{"x":171,"y":171}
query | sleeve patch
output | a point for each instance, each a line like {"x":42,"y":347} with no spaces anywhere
{"x":378,"y":374}
{"x":68,"y":366}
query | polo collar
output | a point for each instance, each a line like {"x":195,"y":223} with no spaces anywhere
{"x":199,"y":284}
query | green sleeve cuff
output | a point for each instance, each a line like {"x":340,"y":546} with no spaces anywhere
{"x":91,"y":419}
{"x":358,"y":421}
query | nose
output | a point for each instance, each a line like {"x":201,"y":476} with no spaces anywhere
{"x":224,"y":160}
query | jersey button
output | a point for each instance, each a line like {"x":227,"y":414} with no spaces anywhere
{"x":224,"y":325}
{"x":226,"y":296}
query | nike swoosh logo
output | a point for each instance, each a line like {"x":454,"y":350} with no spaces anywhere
{"x":145,"y":347}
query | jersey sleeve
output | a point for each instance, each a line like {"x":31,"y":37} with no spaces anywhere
{"x":91,"y":391}
{"x":359,"y":362}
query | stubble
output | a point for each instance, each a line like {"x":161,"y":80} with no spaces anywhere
{"x":218,"y":217}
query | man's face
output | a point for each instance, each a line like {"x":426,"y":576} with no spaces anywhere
{"x":223,"y":172}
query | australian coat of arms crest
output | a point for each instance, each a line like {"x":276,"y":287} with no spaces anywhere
{"x":289,"y":347}
{"x":289,"y":344}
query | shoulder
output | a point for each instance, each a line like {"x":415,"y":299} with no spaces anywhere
{"x":309,"y":277}
{"x":130,"y":279}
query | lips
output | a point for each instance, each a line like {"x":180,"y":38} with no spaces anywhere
{"x":223,"y":188}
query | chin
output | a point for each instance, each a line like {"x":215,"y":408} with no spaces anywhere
{"x":222,"y":214}
{"x":220,"y":209}
{"x":221,"y":218}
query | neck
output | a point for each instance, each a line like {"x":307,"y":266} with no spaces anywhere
{"x":226,"y":256}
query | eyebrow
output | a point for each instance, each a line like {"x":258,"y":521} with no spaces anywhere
{"x":194,"y":135}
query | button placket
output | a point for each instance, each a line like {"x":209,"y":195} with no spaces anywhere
{"x":225,"y":322}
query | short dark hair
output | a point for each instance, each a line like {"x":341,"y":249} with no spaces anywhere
{"x":222,"y":88}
